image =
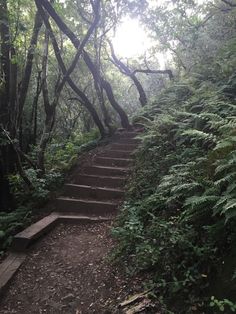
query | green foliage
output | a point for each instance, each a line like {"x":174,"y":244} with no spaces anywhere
{"x":62,"y":156}
{"x":179,"y":221}
{"x":10,"y":223}
{"x":222,"y":305}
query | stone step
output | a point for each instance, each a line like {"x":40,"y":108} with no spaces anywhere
{"x":116,"y":162}
{"x":106,"y":171}
{"x":124,"y":140}
{"x":84,"y":206}
{"x":117,"y":154}
{"x":123,"y":147}
{"x":100,"y":181}
{"x":96,"y":193}
{"x":127,"y":134}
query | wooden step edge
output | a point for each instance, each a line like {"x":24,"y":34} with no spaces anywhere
{"x":8,"y":268}
{"x":114,"y":159}
{"x":86,"y":201}
{"x":76,"y":218}
{"x":114,"y":155}
{"x":100,"y":177}
{"x":106,"y":172}
{"x":131,"y":145}
{"x":95,"y":187}
{"x":123,"y":147}
{"x":23,"y":239}
{"x":118,"y":151}
{"x":109,"y":167}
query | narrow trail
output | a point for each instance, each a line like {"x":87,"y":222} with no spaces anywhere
{"x":68,"y":271}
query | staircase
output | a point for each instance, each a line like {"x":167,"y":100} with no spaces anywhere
{"x":98,"y":188}
{"x":93,"y":195}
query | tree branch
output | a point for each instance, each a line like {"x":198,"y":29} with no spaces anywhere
{"x":233,"y":5}
{"x":169,"y":72}
{"x":86,"y":102}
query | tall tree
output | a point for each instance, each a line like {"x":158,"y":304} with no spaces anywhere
{"x":50,"y":107}
{"x":6,"y":114}
{"x":88,"y":60}
{"x":82,"y":96}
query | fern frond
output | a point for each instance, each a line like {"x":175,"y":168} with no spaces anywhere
{"x":199,"y":201}
{"x":231,"y":188}
{"x":185,"y":188}
{"x":219,"y":205}
{"x":227,"y":179}
{"x":196,"y":135}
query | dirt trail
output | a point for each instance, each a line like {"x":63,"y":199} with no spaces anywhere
{"x":69,"y":271}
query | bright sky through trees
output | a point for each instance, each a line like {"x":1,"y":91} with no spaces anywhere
{"x":131,"y":39}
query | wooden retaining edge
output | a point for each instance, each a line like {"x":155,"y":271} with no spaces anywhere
{"x":22,"y":240}
{"x":80,"y":218}
{"x":8,"y":269}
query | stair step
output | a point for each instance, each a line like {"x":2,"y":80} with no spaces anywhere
{"x":84,"y":191}
{"x":126,"y":147}
{"x":85,"y":206}
{"x":100,"y":181}
{"x":124,"y":140}
{"x":106,"y":171}
{"x":119,"y":162}
{"x":117,"y":154}
{"x":74,"y":217}
{"x":128,"y":134}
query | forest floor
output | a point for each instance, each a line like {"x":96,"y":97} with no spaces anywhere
{"x":69,"y":271}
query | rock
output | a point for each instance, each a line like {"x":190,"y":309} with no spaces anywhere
{"x":69,"y":297}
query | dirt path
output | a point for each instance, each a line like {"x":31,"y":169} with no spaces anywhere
{"x":68,"y":271}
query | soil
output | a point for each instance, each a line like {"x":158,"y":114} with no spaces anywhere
{"x":69,"y":271}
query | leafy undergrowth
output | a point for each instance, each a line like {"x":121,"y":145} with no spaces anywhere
{"x":179,"y":222}
{"x":59,"y":159}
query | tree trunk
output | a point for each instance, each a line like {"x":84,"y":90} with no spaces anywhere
{"x":7,"y":164}
{"x":85,"y":101}
{"x":124,"y":69}
{"x":50,"y":108}
{"x":28,"y":66}
{"x":142,"y":94}
{"x":34,"y":114}
{"x":97,"y":86}
{"x":123,"y":116}
{"x":90,"y":64}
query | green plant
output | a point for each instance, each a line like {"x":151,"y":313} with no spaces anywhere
{"x":179,"y":218}
{"x":223,"y":305}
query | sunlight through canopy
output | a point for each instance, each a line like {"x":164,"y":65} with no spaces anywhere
{"x":131,"y":39}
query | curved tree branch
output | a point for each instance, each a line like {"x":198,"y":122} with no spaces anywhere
{"x":148,"y":71}
{"x":124,"y":69}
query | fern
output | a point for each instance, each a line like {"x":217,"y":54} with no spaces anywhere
{"x":196,"y":135}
